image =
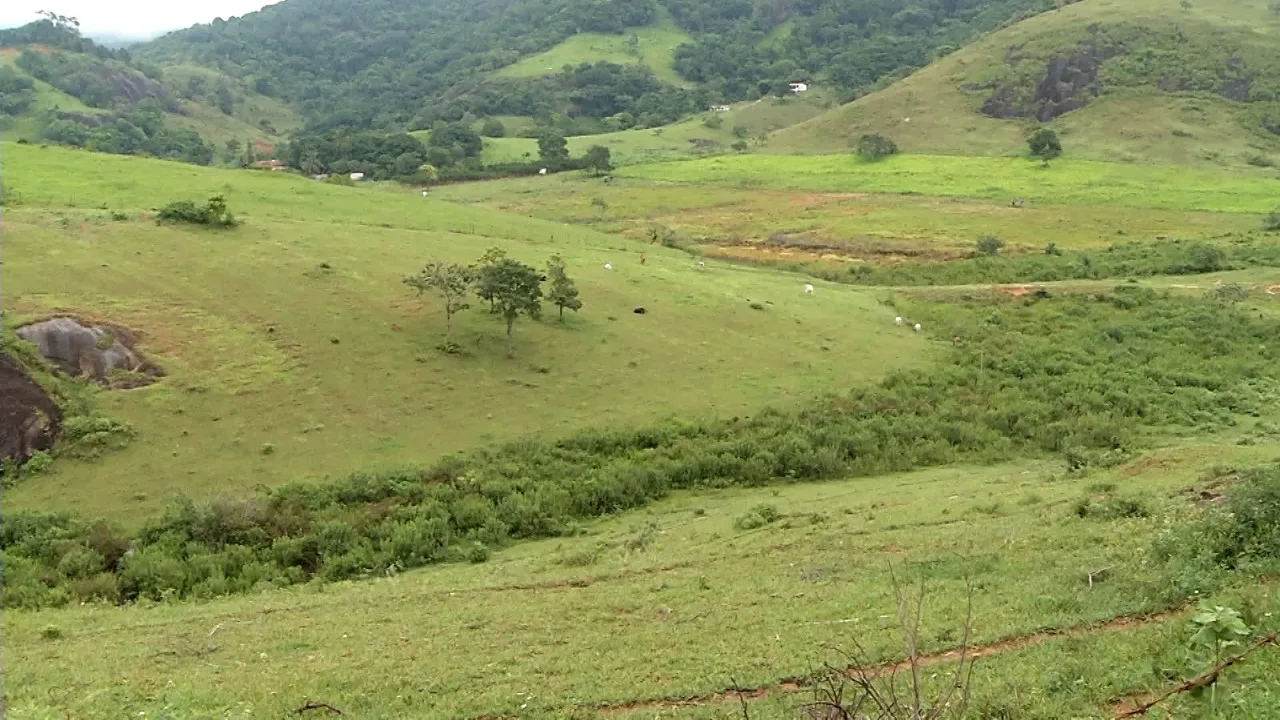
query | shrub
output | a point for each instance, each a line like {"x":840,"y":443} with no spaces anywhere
{"x":757,"y":517}
{"x":990,"y":245}
{"x":1044,"y":144}
{"x":1271,"y":222}
{"x":875,"y":147}
{"x":213,"y":213}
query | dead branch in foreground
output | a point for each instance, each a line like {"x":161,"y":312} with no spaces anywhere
{"x":317,"y":705}
{"x":1204,"y":679}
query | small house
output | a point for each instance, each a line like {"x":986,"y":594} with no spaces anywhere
{"x":799,"y":87}
{"x":720,"y":108}
{"x":357,"y":176}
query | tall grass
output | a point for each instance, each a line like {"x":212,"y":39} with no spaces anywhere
{"x":1083,"y":377}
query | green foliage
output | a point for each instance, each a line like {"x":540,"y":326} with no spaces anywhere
{"x":990,"y":245}
{"x":213,"y":213}
{"x":1229,"y":293}
{"x":379,"y":155}
{"x":1271,"y":223}
{"x":598,"y":160}
{"x":451,"y":281}
{"x":553,"y":149}
{"x":1044,"y":144}
{"x":757,"y":517}
{"x":1136,"y":259}
{"x":17,"y":92}
{"x":493,"y":128}
{"x":1085,"y":374}
{"x":140,"y":130}
{"x":1242,"y":534}
{"x":514,"y":289}
{"x":564,"y":292}
{"x":875,"y":147}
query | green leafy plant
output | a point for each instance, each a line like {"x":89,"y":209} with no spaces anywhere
{"x":213,"y":213}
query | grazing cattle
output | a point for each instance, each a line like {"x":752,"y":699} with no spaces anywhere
{"x":608,"y":266}
{"x":543,"y":171}
{"x":917,"y":327}
{"x":424,"y":193}
{"x":898,"y":321}
{"x":640,"y":311}
{"x":642,"y":258}
{"x":1017,"y":202}
{"x":701,"y":265}
{"x":808,"y":289}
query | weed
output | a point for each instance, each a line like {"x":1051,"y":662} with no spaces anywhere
{"x":51,"y":632}
{"x":757,"y":517}
{"x":213,"y":213}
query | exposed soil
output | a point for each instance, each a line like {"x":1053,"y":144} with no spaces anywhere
{"x":100,"y":351}
{"x":793,"y":685}
{"x":1273,"y":290}
{"x":29,"y":419}
{"x":1016,"y":290}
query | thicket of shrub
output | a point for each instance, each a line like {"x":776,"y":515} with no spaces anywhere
{"x":213,"y":213}
{"x":1242,"y":533}
{"x":1080,"y":376}
{"x":1136,"y":259}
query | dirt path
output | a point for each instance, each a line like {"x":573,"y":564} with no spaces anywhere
{"x":793,"y":685}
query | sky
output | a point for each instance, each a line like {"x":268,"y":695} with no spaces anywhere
{"x":128,"y":18}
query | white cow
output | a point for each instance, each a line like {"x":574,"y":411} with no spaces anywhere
{"x":543,"y":171}
{"x":898,"y":321}
{"x":701,"y":265}
{"x":808,"y":288}
{"x":608,"y":266}
{"x":917,"y":327}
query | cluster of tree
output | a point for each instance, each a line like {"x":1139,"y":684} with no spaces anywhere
{"x":61,"y":32}
{"x":387,"y":64}
{"x":17,"y":92}
{"x":511,"y":288}
{"x":94,"y":81}
{"x":379,"y":155}
{"x":138,"y":131}
{"x":626,"y":95}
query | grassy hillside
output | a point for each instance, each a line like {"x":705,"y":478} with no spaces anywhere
{"x":336,"y":366}
{"x":653,"y":46}
{"x":253,"y":116}
{"x":653,"y":613}
{"x":1151,"y":81}
{"x":709,"y":133}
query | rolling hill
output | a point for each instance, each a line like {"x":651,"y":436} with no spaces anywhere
{"x":1132,"y":80}
{"x":62,"y":87}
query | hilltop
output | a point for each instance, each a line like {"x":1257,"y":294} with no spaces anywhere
{"x":388,"y":65}
{"x":1135,"y":81}
{"x":58,"y":86}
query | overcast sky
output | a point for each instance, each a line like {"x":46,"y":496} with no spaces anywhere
{"x":128,"y":18}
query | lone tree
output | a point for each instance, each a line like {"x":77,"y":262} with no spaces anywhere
{"x":564,"y":293}
{"x":484,"y":289}
{"x":517,"y":290}
{"x":990,"y":245}
{"x":1045,"y":145}
{"x":875,"y":147}
{"x":598,"y":160}
{"x":450,"y":281}
{"x":553,"y":149}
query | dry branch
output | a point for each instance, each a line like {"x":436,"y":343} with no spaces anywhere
{"x":317,"y":705}
{"x":1204,"y":679}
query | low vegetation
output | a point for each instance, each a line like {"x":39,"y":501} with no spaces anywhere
{"x":1087,"y":378}
{"x":214,"y":213}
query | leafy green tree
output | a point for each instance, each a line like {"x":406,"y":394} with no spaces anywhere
{"x":485,"y":290}
{"x":875,"y":147}
{"x":553,"y":148}
{"x":1045,"y":145}
{"x":598,"y":159}
{"x":516,"y":289}
{"x":451,"y":281}
{"x":740,"y":145}
{"x":226,"y":101}
{"x":493,"y":128}
{"x":564,"y":292}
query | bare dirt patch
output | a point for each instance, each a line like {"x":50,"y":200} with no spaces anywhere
{"x":29,"y":419}
{"x":1273,"y":290}
{"x":793,"y":685}
{"x":1016,"y":290}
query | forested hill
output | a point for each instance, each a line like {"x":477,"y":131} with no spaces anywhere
{"x":396,"y":63}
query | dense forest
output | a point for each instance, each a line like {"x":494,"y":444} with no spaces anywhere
{"x":388,"y":64}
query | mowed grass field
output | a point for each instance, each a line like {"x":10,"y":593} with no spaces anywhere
{"x":655,"y":48}
{"x":652,"y":613}
{"x":837,"y":208}
{"x":336,"y":368}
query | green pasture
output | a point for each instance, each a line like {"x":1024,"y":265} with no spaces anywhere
{"x":337,"y":368}
{"x":654,"y":48}
{"x":677,"y":600}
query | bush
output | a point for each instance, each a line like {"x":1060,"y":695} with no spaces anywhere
{"x":1044,"y":144}
{"x":757,"y":517}
{"x":875,"y":147}
{"x":213,"y":213}
{"x":990,"y":245}
{"x":1271,"y":222}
